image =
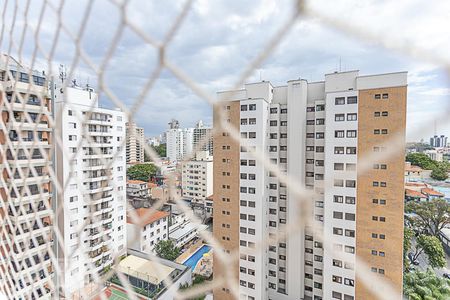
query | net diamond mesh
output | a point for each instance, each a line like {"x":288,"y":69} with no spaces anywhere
{"x":30,"y":238}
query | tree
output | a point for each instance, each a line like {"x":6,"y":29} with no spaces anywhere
{"x":425,"y":286}
{"x":167,"y":250}
{"x":432,"y":247}
{"x":429,"y":216}
{"x":160,"y":150}
{"x":142,"y":172}
{"x":422,"y":160}
{"x":440,"y":173}
{"x":408,"y":234}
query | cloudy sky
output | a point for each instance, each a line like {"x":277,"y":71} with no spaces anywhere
{"x":219,"y":38}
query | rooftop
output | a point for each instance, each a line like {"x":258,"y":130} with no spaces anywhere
{"x":432,"y":192}
{"x":146,"y":216}
{"x":136,"y":182}
{"x":144,"y":269}
{"x":413,"y":193}
{"x":411,"y":168}
{"x":186,"y":229}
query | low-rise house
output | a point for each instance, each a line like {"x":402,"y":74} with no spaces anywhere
{"x":413,"y":173}
{"x":412,"y":195}
{"x":432,"y":194}
{"x":147,"y":228}
{"x":138,"y":188}
{"x":184,"y":233}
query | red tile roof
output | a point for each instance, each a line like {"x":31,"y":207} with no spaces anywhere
{"x":413,"y":193}
{"x":136,"y":181}
{"x":415,"y":184}
{"x":432,"y":192}
{"x":413,"y":168}
{"x":146,"y":216}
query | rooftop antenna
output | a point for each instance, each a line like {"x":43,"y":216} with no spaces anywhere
{"x":340,"y":62}
{"x":62,"y":73}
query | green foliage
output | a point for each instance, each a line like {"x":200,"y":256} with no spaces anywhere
{"x":408,"y":235}
{"x":440,"y":173}
{"x":432,"y":247}
{"x":425,"y":285}
{"x":167,"y":250}
{"x":160,"y":150}
{"x":422,"y":160}
{"x":197,"y":280}
{"x":142,"y":172}
{"x":439,"y":169}
{"x":429,"y":216}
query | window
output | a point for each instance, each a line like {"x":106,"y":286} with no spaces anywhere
{"x":284,"y":110}
{"x":349,"y":249}
{"x":352,"y":117}
{"x":352,"y":100}
{"x":350,"y":217}
{"x":376,"y":114}
{"x":338,"y":166}
{"x":339,"y":182}
{"x":337,"y":279}
{"x":244,"y":122}
{"x":349,"y":282}
{"x":350,"y":167}
{"x":252,"y":107}
{"x":309,"y":148}
{"x":339,"y":150}
{"x":385,"y":96}
{"x":337,"y":214}
{"x":243,"y":107}
{"x":320,"y":149}
{"x":320,"y":121}
{"x":338,"y":199}
{"x":339,"y":117}
{"x":339,"y":133}
{"x":273,"y":123}
{"x":273,"y":110}
{"x":337,"y":231}
{"x":350,"y":200}
{"x":339,"y":101}
{"x":273,"y":136}
{"x":349,"y":233}
{"x":377,"y":96}
{"x":350,"y":183}
{"x":310,"y":109}
{"x":385,"y":113}
{"x":351,"y":150}
{"x":351,"y":133}
{"x":320,"y":107}
{"x":337,"y":263}
{"x":252,"y":135}
{"x":319,"y":162}
{"x":384,"y":131}
{"x":320,"y":135}
{"x":309,"y":122}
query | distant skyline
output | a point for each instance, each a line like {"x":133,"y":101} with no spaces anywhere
{"x":218,"y":40}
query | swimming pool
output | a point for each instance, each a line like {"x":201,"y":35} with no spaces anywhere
{"x":194,"y":258}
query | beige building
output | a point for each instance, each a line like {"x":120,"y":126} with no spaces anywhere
{"x":197,"y":177}
{"x":318,"y":133}
{"x":135,"y":143}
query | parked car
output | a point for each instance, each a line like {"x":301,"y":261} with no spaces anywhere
{"x":446,"y":275}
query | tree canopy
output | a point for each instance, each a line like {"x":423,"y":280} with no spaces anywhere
{"x":430,"y":246}
{"x":167,"y":250}
{"x":439,"y":169}
{"x":425,"y":286}
{"x":142,"y":172}
{"x":429,"y":216}
{"x":160,"y":150}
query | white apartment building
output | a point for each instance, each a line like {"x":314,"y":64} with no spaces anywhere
{"x":135,"y":143}
{"x":91,"y":165}
{"x":26,"y":192}
{"x":147,"y":229}
{"x":317,"y":133}
{"x":197,"y":177}
{"x":138,"y":188}
{"x":181,"y":142}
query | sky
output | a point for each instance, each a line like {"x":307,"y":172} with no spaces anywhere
{"x":217,"y":41}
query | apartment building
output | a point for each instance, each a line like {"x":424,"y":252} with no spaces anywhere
{"x":90,"y":163}
{"x":318,"y":133}
{"x":182,"y":142}
{"x":26,"y":193}
{"x":147,"y":229}
{"x":135,"y":143}
{"x":197,"y":177}
{"x":138,"y":188}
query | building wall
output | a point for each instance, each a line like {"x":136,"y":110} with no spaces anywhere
{"x":197,"y":179}
{"x":226,"y":198}
{"x":94,"y":174}
{"x":392,"y":228}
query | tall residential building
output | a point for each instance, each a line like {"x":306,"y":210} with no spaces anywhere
{"x":197,"y":177}
{"x":26,"y":230}
{"x":182,"y":142}
{"x":91,"y":165}
{"x":438,"y":141}
{"x":135,"y":143}
{"x":318,"y":133}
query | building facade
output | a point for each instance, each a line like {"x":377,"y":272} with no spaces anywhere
{"x":147,"y":229}
{"x":135,"y":143}
{"x":26,"y":193}
{"x":197,"y":177}
{"x":438,"y":141}
{"x":91,"y":163}
{"x":183,"y":142}
{"x":319,"y":134}
{"x":138,"y":188}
